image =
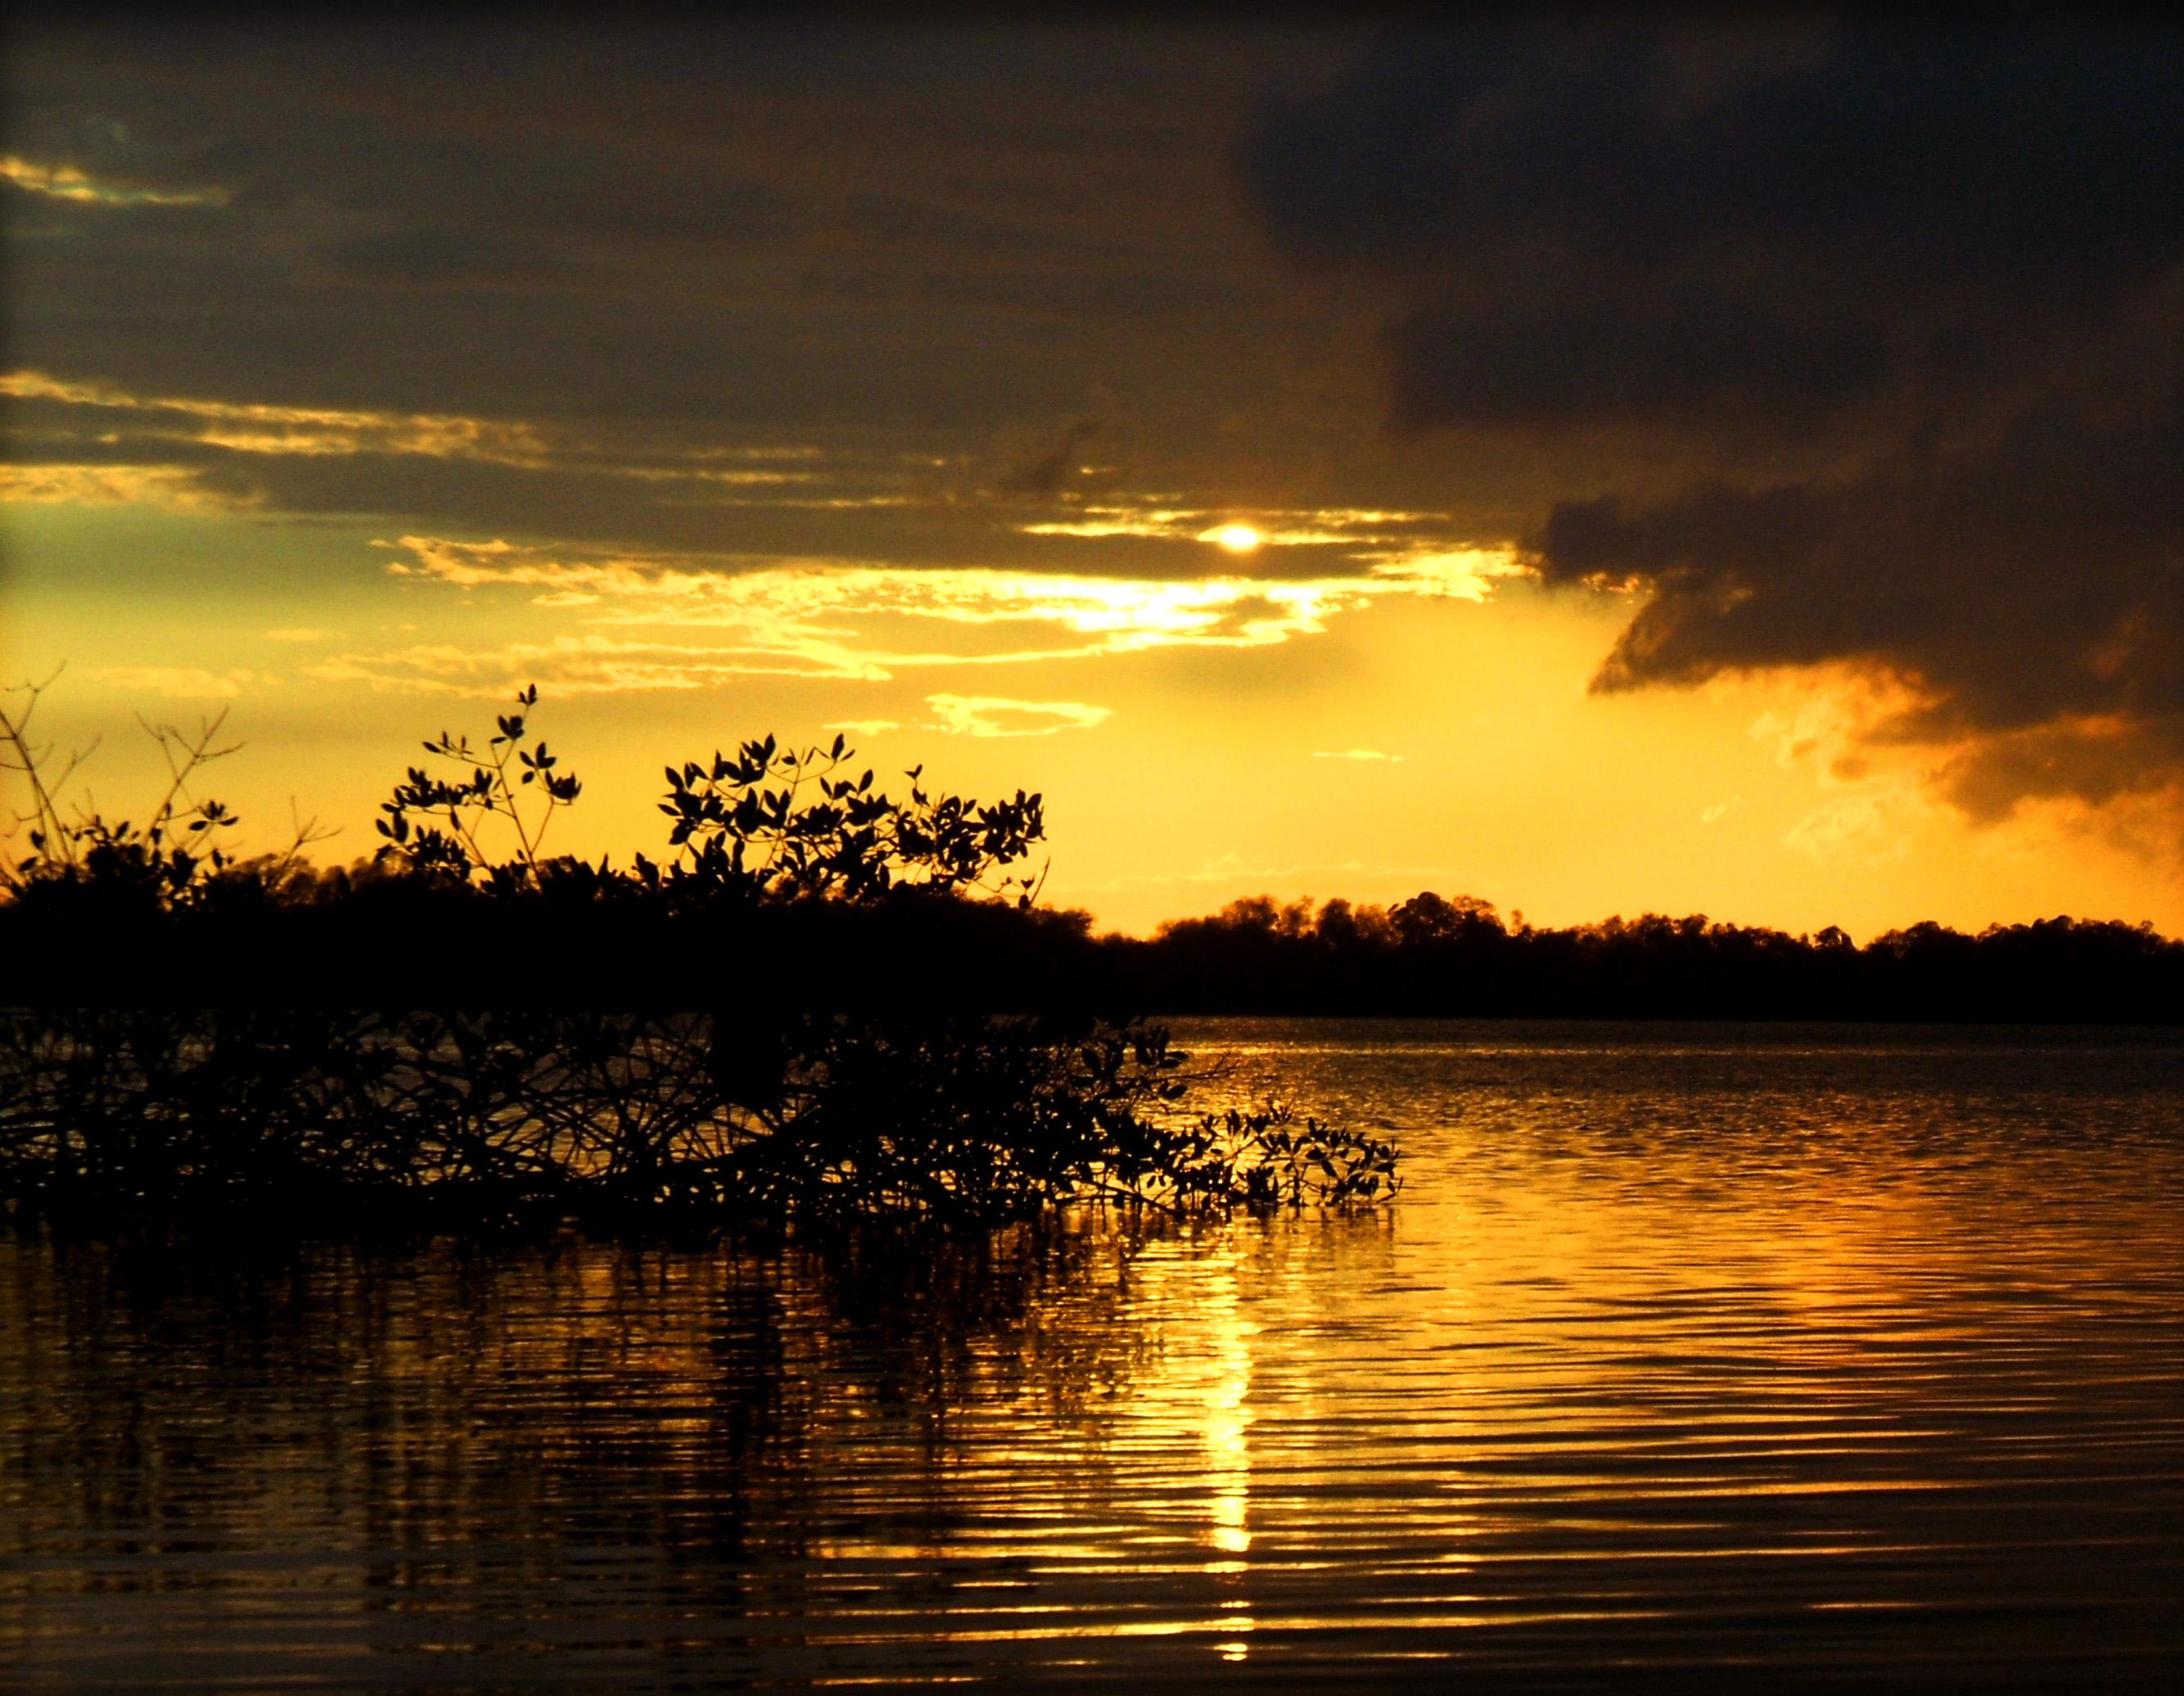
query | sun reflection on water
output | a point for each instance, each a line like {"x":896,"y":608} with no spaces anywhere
{"x":1804,"y":1358}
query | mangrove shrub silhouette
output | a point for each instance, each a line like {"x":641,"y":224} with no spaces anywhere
{"x":489,"y":1075}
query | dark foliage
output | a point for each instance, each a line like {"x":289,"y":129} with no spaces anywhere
{"x":192,"y":1043}
{"x":681,"y":1122}
{"x":1431,"y":956}
{"x":574,"y":937}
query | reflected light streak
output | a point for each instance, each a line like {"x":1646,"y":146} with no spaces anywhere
{"x":1206,"y":1397}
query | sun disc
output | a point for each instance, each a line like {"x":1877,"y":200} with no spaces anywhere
{"x":1237,"y":539}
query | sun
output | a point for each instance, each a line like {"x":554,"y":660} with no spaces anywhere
{"x":1237,"y":539}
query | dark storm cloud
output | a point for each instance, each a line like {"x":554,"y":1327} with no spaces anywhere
{"x":1870,"y":330}
{"x":925,"y":230}
{"x":1687,"y":353}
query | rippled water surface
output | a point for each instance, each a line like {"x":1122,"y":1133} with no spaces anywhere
{"x":1772,"y":1355}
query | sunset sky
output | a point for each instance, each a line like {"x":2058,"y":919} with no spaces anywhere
{"x":1605,"y":469}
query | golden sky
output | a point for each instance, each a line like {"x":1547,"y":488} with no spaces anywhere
{"x":1054,"y":411}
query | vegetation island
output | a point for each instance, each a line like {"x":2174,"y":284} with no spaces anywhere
{"x":775,"y":1026}
{"x":824,"y":1001}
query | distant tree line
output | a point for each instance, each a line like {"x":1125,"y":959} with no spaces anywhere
{"x":578,"y":935}
{"x":1435,"y":955}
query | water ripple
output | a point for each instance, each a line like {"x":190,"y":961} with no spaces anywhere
{"x":1792,"y":1357}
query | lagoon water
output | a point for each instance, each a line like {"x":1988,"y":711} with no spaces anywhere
{"x":1772,"y":1356}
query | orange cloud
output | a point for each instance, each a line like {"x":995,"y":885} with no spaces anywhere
{"x":995,"y":715}
{"x":830,"y":616}
{"x":170,"y":488}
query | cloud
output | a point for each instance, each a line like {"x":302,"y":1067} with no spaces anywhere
{"x":995,"y":715}
{"x":910,"y":230}
{"x":262,"y":428}
{"x":172,"y":488}
{"x":265,"y":430}
{"x":867,"y":620}
{"x":184,"y":682}
{"x":1361,"y":754}
{"x":1833,"y":345}
{"x":1660,"y":223}
{"x":630,"y":487}
{"x":1355,"y":531}
{"x":782,"y":296}
{"x":864,"y":727}
{"x":70,"y":183}
{"x":1872,"y":827}
{"x":568,"y":666}
{"x":2031,"y":586}
{"x":85,"y":440}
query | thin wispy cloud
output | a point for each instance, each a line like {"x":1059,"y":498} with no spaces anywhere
{"x":261,"y":427}
{"x":995,"y":715}
{"x":185,"y":682}
{"x":1240,"y":530}
{"x":82,"y":425}
{"x":165,"y":488}
{"x":567,"y":665}
{"x":69,"y":182}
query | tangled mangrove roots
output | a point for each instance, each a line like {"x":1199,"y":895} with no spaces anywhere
{"x":712,"y":1122}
